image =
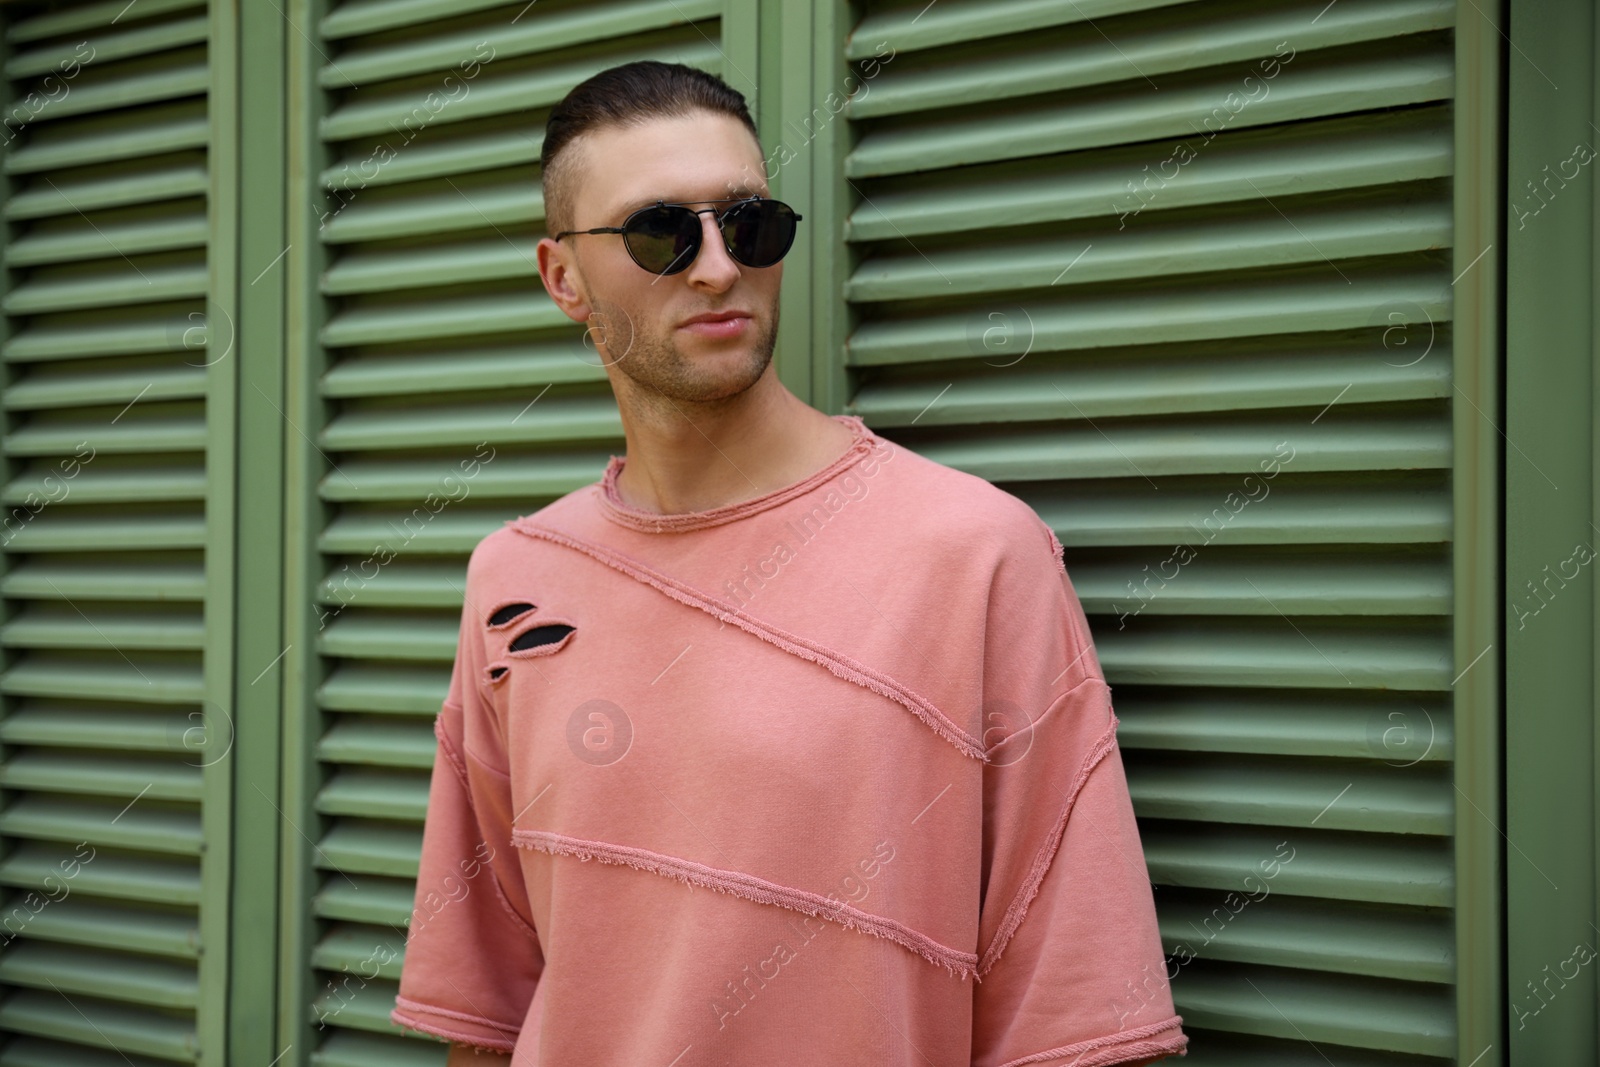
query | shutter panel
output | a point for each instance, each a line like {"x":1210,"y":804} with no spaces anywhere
{"x":439,"y":345}
{"x":114,"y":731}
{"x":1045,"y":291}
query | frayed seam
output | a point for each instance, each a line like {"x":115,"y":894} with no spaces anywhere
{"x":447,"y":748}
{"x":411,"y":1022}
{"x":1055,"y":547}
{"x":523,"y":924}
{"x":759,"y":891}
{"x":1055,"y":702}
{"x":1116,"y":1048}
{"x":840,"y":665}
{"x":416,"y":1005}
{"x":1018,"y":908}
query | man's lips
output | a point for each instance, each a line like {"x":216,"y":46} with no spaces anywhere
{"x":717,"y":316}
{"x":718,"y":324}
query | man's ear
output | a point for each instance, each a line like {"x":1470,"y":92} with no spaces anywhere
{"x":562,"y":280}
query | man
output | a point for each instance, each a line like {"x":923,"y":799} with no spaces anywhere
{"x":826,"y":713}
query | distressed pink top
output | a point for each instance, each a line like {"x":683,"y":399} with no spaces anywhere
{"x":845,"y":764}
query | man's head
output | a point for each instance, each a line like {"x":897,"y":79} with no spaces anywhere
{"x":621,"y":140}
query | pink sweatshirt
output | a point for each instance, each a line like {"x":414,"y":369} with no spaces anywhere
{"x":846,"y":764}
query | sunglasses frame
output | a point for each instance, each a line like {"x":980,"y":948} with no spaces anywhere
{"x":699,"y":241}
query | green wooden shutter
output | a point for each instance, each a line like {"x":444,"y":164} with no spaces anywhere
{"x":433,"y":336}
{"x":118,"y":623}
{"x":1043,"y":289}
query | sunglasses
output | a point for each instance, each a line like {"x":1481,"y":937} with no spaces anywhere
{"x":665,"y":238}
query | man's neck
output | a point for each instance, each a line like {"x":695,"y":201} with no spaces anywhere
{"x":684,"y":457}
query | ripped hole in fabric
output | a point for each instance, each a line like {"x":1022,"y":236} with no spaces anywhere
{"x":494,"y":672}
{"x":539,"y":636}
{"x":508,"y":612}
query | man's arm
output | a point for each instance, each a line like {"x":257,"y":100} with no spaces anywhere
{"x":472,"y":957}
{"x":1070,"y":953}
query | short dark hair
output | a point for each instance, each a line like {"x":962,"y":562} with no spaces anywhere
{"x":626,"y":95}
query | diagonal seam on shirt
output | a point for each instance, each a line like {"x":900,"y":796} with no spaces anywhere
{"x":447,"y":748}
{"x":750,"y":888}
{"x":1114,"y":1048}
{"x":841,"y":665}
{"x":1041,"y":861}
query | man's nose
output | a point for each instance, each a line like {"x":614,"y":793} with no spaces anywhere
{"x":713,"y":264}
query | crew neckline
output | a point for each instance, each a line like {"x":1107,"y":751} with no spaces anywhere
{"x":616,"y":509}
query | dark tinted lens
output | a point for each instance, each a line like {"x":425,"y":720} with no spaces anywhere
{"x":663,"y":239}
{"x":759,"y":232}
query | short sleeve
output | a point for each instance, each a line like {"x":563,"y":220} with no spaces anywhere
{"x":472,"y":959}
{"x":1071,"y":969}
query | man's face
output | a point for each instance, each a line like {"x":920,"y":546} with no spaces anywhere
{"x":638,"y":320}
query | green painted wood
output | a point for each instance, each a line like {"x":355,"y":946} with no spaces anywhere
{"x":253,"y":296}
{"x":366,"y":951}
{"x":136,"y":41}
{"x":1350,"y":153}
{"x":1548,"y":598}
{"x":92,"y":727}
{"x":37,"y":865}
{"x":118,"y":586}
{"x":1481,"y":714}
{"x":91,"y":16}
{"x":43,"y":1052}
{"x":351,"y":1048}
{"x":1341,"y":1011}
{"x":389,"y":689}
{"x":921,"y":29}
{"x":159,"y":79}
{"x":360,"y":64}
{"x":122,"y":927}
{"x":166,"y":830}
{"x":146,"y":185}
{"x":360,"y":898}
{"x":539,"y":86}
{"x":385,"y":742}
{"x":74,"y":773}
{"x":1384,"y":75}
{"x":99,"y":1023}
{"x":375,"y":794}
{"x":355,"y":1004}
{"x":1360,"y":939}
{"x":1270,"y":722}
{"x":179,"y":127}
{"x":1233,"y":33}
{"x":109,"y":581}
{"x":101,"y":974}
{"x":1349,"y":866}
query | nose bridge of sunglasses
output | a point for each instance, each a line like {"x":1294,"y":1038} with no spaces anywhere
{"x":695,"y":241}
{"x":666,"y":238}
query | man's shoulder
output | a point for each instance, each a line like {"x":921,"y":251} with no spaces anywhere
{"x":939,"y":504}
{"x":505,"y":543}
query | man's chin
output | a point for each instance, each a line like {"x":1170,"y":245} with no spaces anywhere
{"x":714,"y":376}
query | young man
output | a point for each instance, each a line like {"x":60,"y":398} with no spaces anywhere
{"x":826,"y":714}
